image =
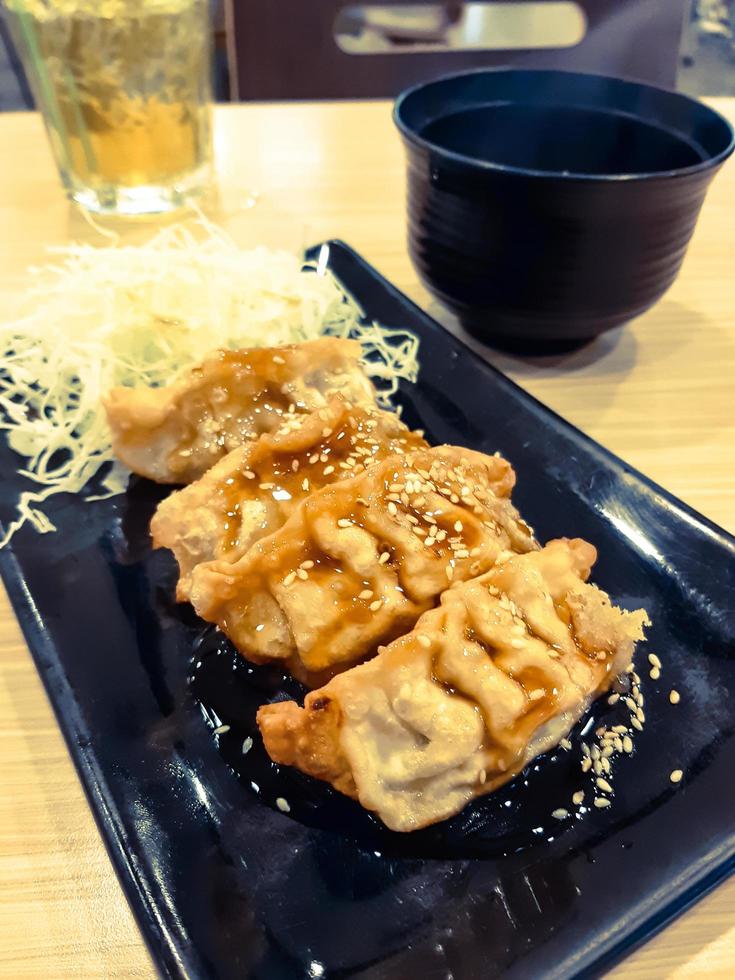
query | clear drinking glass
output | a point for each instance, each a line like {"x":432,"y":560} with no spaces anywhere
{"x":124,"y":87}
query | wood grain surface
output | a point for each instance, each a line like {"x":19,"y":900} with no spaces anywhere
{"x":660,"y":393}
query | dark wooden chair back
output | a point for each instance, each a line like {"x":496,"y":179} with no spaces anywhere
{"x":286,"y":49}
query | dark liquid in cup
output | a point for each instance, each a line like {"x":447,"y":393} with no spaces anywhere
{"x":561,"y":139}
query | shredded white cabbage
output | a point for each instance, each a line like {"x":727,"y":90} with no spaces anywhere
{"x":137,"y":315}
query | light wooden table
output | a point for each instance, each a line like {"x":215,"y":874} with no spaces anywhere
{"x":660,"y":393}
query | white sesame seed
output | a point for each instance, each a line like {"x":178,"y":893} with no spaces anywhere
{"x":283,"y":805}
{"x":620,"y":729}
{"x":392,"y":509}
{"x":516,"y":643}
{"x":676,"y":776}
{"x":385,"y":557}
{"x":450,"y":572}
{"x":328,"y":470}
{"x":565,"y":744}
{"x":344,"y":522}
{"x":366,"y":594}
{"x":536,"y":695}
{"x":290,"y":578}
{"x":578,"y":797}
{"x":307,"y":564}
{"x":600,"y":802}
{"x":674,"y":697}
{"x":458,"y":526}
{"x":636,"y":724}
{"x":248,"y":474}
{"x":483,"y":776}
{"x":613,"y":699}
{"x":278,"y":360}
{"x":586,"y":764}
{"x":603,"y":785}
{"x":221,"y":729}
{"x":424,"y":640}
{"x":302,"y":574}
{"x":560,"y":814}
{"x":267,"y":486}
{"x":654,"y":674}
{"x":627,"y":744}
{"x":326,"y":433}
{"x":374,"y":606}
{"x":654,"y":661}
{"x":295,"y":465}
{"x":305,"y":484}
{"x":247,"y":745}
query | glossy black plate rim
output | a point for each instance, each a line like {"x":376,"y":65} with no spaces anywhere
{"x":174,"y":960}
{"x":165,"y":952}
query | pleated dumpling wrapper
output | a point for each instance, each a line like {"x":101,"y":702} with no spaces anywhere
{"x":175,"y":433}
{"x":359,"y":561}
{"x":494,"y":676}
{"x":254,"y":490}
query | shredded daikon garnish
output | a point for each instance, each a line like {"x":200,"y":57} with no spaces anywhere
{"x":138,"y":315}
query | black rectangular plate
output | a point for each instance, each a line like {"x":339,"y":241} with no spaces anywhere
{"x":225,"y":885}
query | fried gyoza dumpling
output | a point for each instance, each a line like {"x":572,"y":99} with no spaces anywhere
{"x":359,"y":561}
{"x":255,"y":488}
{"x":174,"y":434}
{"x":494,"y":676}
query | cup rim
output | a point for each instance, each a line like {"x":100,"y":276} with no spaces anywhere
{"x":475,"y":163}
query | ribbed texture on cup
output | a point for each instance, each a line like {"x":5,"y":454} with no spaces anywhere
{"x":522,"y":256}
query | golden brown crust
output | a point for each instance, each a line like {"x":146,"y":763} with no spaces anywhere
{"x":308,"y":738}
{"x":253,"y":491}
{"x":359,"y":561}
{"x":495,"y":675}
{"x":175,"y":433}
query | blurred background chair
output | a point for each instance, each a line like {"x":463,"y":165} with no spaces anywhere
{"x":305,"y":49}
{"x":326,"y":49}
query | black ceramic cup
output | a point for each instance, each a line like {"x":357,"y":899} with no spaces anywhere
{"x":545,"y":207}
